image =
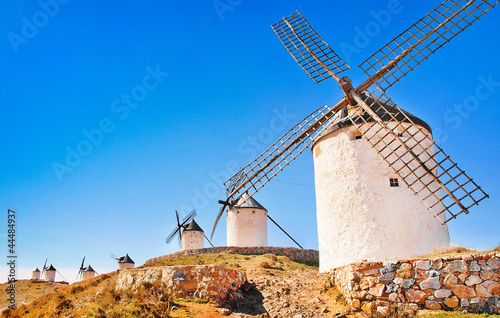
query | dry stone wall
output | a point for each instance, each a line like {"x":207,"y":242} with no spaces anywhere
{"x":468,"y":282}
{"x":210,"y":282}
{"x":293,"y":253}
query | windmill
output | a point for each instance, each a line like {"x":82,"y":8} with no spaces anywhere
{"x":193,"y":230}
{"x":398,"y":138}
{"x":124,"y":262}
{"x":82,"y":268}
{"x":180,"y":226}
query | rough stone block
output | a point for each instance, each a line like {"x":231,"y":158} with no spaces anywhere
{"x":492,"y":287}
{"x":473,"y":280}
{"x":474,"y":266}
{"x":450,"y":281}
{"x":464,"y":292}
{"x":388,"y":268}
{"x":437,"y":264}
{"x":482,"y":291}
{"x":368,"y":282}
{"x":387,"y":277}
{"x":423,"y":265}
{"x":432,"y":305}
{"x":405,"y":271}
{"x":415,"y":296}
{"x":493,"y":263}
{"x":369,"y":307}
{"x":456,"y":266}
{"x":442,"y":293}
{"x":451,"y":302}
{"x":430,"y":283}
{"x":377,"y":290}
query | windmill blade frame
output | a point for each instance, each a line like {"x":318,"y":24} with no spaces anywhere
{"x":82,"y":267}
{"x":276,"y":157}
{"x":44,"y":269}
{"x":410,"y":48}
{"x":171,"y":236}
{"x":189,"y":217}
{"x":418,"y":166}
{"x":313,"y":54}
{"x":180,"y":225}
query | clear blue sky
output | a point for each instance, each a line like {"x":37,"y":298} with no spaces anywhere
{"x":207,"y":82}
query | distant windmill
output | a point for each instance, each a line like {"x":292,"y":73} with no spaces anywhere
{"x":365,"y":145}
{"x":88,"y":272}
{"x":180,"y":226}
{"x":189,"y":232}
{"x":124,"y":262}
{"x":36,"y":274}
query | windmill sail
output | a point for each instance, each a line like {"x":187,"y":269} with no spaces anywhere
{"x":410,"y":151}
{"x":179,"y":226}
{"x":384,"y":68}
{"x":308,"y":49}
{"x":400,"y":56}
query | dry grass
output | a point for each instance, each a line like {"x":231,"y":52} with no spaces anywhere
{"x":394,"y":312}
{"x":496,"y":249}
{"x":97,"y":298}
{"x":450,"y":251}
{"x":250,"y":264}
{"x":451,"y":314}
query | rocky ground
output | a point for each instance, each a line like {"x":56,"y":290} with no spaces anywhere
{"x":298,"y":294}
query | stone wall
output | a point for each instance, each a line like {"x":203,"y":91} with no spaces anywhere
{"x":467,"y":282}
{"x":209,"y":282}
{"x":291,"y":252}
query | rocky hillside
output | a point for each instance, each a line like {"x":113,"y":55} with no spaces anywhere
{"x":276,"y":287}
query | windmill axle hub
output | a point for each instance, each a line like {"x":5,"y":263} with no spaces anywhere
{"x":346,"y":86}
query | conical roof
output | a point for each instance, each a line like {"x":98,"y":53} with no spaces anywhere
{"x":89,"y":269}
{"x":126,"y":259}
{"x":51,"y":268}
{"x":193,"y":226}
{"x":36,"y":270}
{"x":375,"y":103}
{"x":250,"y":203}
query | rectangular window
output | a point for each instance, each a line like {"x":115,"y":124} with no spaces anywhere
{"x":394,"y":182}
{"x":358,"y":137}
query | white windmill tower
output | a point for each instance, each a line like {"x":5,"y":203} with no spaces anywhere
{"x":124,"y":262}
{"x":50,"y":274}
{"x":350,"y":206}
{"x":36,"y":274}
{"x":88,"y":273}
{"x":247,"y":223}
{"x":193,"y":237}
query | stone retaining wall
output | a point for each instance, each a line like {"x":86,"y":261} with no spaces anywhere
{"x":291,"y":252}
{"x":209,"y":282}
{"x":467,"y":282}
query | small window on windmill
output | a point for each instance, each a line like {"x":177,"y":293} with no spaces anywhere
{"x":356,"y":135}
{"x":394,"y":182}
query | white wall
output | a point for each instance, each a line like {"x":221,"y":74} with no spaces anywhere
{"x":246,"y":227}
{"x":360,"y":217}
{"x":87,"y":275}
{"x":125,"y":265}
{"x":192,"y":240}
{"x":50,"y":276}
{"x":35,"y":275}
